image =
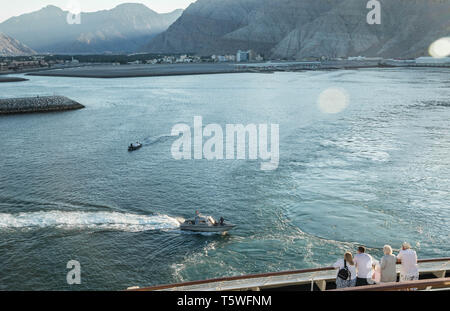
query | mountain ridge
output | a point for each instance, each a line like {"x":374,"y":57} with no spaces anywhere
{"x":12,"y":47}
{"x":292,"y":29}
{"x":121,"y":29}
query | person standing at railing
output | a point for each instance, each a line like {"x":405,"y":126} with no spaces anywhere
{"x":364,"y":267}
{"x":408,"y":259}
{"x":388,"y":266}
{"x":346,"y":276}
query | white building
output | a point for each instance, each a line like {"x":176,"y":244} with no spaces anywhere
{"x":183,"y":59}
{"x":259,"y":58}
{"x":168,"y":60}
{"x":223,"y":58}
{"x":242,"y":56}
{"x":231,"y":58}
{"x":136,"y":62}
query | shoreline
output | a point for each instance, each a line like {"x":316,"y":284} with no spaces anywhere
{"x":131,"y":75}
{"x":167,"y":70}
{"x":137,"y":71}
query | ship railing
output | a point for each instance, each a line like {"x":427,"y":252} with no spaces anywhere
{"x":427,"y":285}
{"x":315,"y":276}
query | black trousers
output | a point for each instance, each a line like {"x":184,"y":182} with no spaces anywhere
{"x":361,"y":282}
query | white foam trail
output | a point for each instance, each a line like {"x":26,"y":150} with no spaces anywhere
{"x":87,"y":220}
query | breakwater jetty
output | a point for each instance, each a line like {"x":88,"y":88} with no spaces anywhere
{"x":12,"y":79}
{"x":37,"y":104}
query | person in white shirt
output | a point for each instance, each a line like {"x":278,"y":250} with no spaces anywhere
{"x":364,"y":267}
{"x":348,"y":262}
{"x":408,"y":258}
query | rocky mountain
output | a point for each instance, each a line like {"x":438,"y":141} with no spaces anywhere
{"x":122,"y":29}
{"x":12,"y":47}
{"x":297,"y":29}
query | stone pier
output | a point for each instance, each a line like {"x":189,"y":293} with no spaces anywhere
{"x":37,"y":104}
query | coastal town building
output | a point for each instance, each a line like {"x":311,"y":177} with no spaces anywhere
{"x":20,"y":65}
{"x":259,"y":58}
{"x":223,"y":58}
{"x":3,"y":66}
{"x":248,"y":56}
{"x":187,"y":59}
{"x":242,"y":56}
{"x":183,"y":59}
{"x":168,"y":60}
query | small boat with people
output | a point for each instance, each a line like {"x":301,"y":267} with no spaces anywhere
{"x":206,"y":224}
{"x":135,"y":146}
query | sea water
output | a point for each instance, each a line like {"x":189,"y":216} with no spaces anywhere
{"x":374,"y":172}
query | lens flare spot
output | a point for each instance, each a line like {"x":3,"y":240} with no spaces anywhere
{"x":440,"y":48}
{"x":333,"y":100}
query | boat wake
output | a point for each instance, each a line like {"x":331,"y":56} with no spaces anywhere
{"x":87,"y":221}
{"x":158,"y":139}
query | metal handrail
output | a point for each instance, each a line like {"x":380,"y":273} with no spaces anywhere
{"x":393,"y":286}
{"x":255,"y":276}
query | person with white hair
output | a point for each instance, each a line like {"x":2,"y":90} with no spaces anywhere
{"x":388,"y":266}
{"x":408,"y":258}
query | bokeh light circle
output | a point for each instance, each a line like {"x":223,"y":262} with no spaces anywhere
{"x":440,"y":48}
{"x":333,"y":100}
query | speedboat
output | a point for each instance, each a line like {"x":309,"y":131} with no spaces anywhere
{"x":134,"y":146}
{"x":208,"y":224}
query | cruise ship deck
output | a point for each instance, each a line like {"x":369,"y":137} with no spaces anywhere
{"x":434,"y":273}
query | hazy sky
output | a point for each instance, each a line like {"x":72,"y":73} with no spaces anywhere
{"x":9,"y":8}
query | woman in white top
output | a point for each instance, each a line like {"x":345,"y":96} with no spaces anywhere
{"x":341,"y":264}
{"x":408,"y":259}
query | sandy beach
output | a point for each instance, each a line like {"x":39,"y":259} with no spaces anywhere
{"x":130,"y":71}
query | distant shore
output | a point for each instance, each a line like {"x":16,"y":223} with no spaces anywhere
{"x":145,"y":70}
{"x":134,"y":71}
{"x":37,"y":104}
{"x":12,"y":79}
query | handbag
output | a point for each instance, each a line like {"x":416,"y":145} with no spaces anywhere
{"x":344,"y":273}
